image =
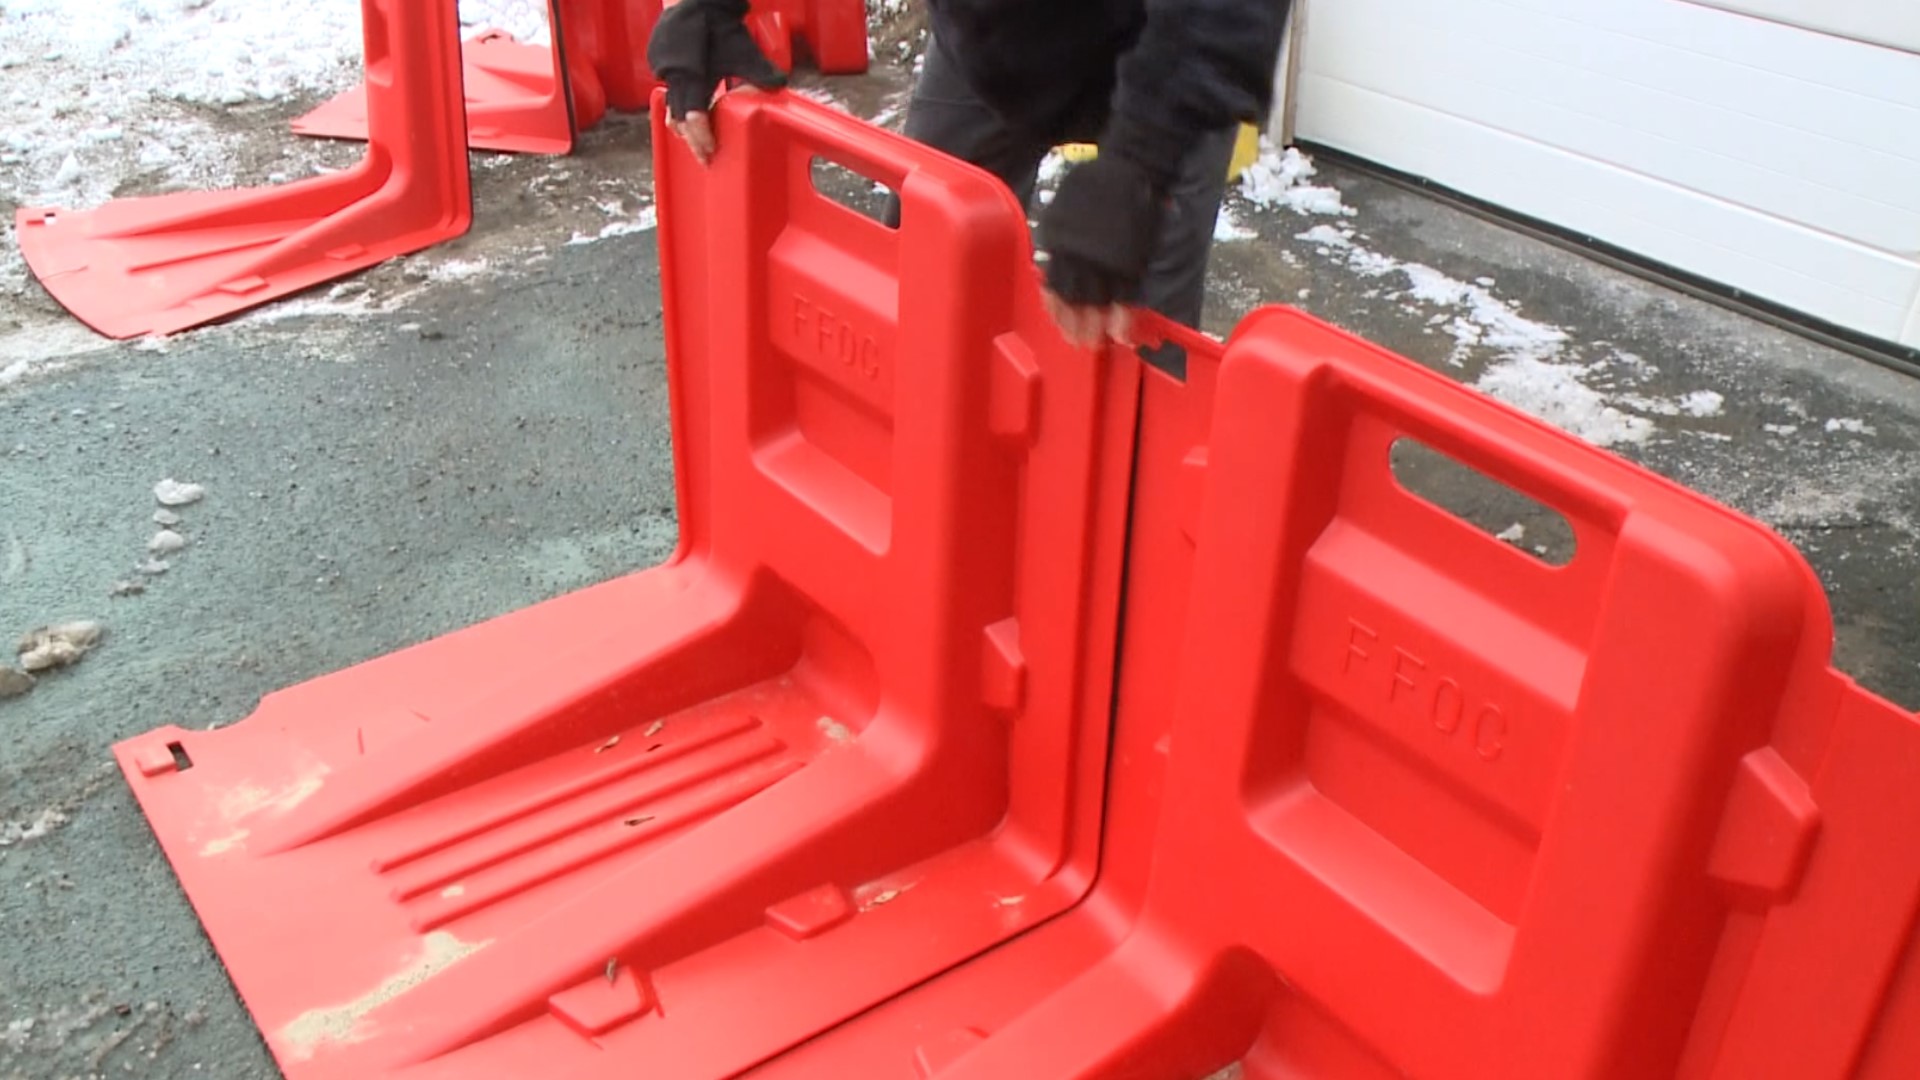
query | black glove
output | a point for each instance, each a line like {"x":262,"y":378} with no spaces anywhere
{"x":1100,"y":230}
{"x":697,"y":43}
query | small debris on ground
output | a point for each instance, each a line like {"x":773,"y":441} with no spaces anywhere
{"x":127,"y":588}
{"x":154,"y":567}
{"x":58,"y":645}
{"x":171,"y":492}
{"x":13,"y":682}
{"x":166,"y":542}
{"x":19,"y":832}
{"x":166,"y":519}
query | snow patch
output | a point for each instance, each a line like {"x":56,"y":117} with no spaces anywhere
{"x":1528,"y":369}
{"x":1851,"y":426}
{"x":459,"y":270}
{"x":646,"y":220}
{"x":43,"y":348}
{"x":338,"y":302}
{"x":39,"y":825}
{"x":171,"y":492}
{"x":60,"y":645}
{"x":1555,"y":392}
{"x":1278,"y":179}
{"x":1227,"y":229}
{"x":1479,"y":318}
{"x":240,"y":50}
{"x":1699,"y":403}
{"x":1327,"y":236}
{"x":1702,"y":403}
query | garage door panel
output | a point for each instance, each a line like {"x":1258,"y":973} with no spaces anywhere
{"x":1582,"y":112}
{"x":1892,"y":23}
{"x":1784,"y":76}
{"x":1528,"y":78}
{"x":1715,"y":28}
{"x":1846,"y":283}
{"x":1776,"y":160}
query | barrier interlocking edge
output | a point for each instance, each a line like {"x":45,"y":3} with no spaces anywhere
{"x":1700,"y":867}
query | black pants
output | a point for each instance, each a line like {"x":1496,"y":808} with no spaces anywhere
{"x":946,"y":114}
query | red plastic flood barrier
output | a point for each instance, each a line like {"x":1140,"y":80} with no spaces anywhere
{"x":527,"y":98}
{"x":821,"y":797}
{"x":611,"y":36}
{"x":166,"y":263}
{"x":1392,"y":798}
{"x":833,"y":32}
{"x":520,"y":97}
{"x":851,"y":735}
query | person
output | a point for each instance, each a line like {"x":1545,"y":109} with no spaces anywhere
{"x":1161,"y":86}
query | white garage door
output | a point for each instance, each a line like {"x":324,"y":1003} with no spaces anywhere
{"x":1770,"y":145}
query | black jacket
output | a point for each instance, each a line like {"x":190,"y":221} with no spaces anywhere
{"x":1144,"y":78}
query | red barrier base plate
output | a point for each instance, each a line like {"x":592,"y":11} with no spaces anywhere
{"x":515,"y":101}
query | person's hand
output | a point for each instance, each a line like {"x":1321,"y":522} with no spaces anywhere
{"x":695,"y":45}
{"x":1099,"y":234}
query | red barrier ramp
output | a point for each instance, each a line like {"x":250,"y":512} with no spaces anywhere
{"x":170,"y":262}
{"x":1427,"y":806}
{"x":521,"y":98}
{"x":851,"y":735}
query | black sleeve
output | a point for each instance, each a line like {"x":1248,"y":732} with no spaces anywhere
{"x":1199,"y":66}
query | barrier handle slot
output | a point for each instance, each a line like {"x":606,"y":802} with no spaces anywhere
{"x":877,"y":154}
{"x":1480,"y":434}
